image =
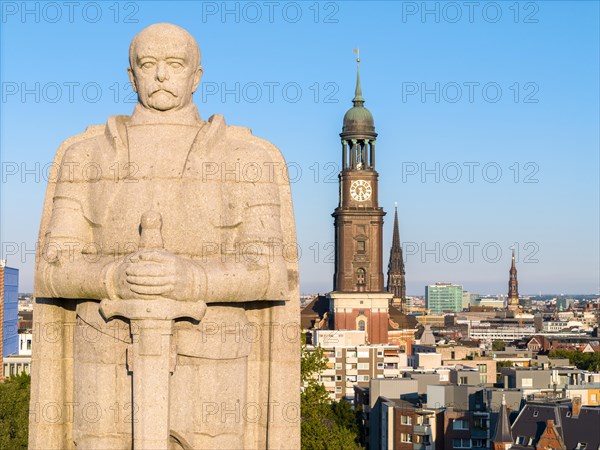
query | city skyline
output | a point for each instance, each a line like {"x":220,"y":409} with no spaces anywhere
{"x":488,"y":128}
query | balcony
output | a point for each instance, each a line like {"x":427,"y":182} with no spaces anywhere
{"x":422,"y":429}
{"x":423,"y":447}
{"x":481,"y":433}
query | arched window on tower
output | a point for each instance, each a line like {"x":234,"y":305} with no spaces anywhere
{"x":361,"y":325}
{"x":360,"y":276}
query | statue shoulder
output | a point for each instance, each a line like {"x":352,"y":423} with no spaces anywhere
{"x":93,"y":143}
{"x":77,"y":147}
{"x":251,"y":147}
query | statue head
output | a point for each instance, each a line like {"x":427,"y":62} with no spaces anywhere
{"x":164,"y":67}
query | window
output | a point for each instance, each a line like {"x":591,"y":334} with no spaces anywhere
{"x":360,"y":276}
{"x":338,"y":353}
{"x":593,"y":398}
{"x":463,"y":380}
{"x":461,"y":443}
{"x":480,"y":422}
{"x":422,"y":440}
{"x":28,"y":344}
{"x":483,"y":379}
{"x":482,"y":368}
{"x":479,"y":443}
{"x":363,"y":366}
{"x":360,"y":246}
{"x":363,"y":378}
{"x":338,"y":366}
{"x":379,"y":353}
{"x":527,"y":382}
{"x":405,"y":437}
{"x":361,"y":325}
{"x":380,"y":365}
{"x":460,"y":424}
{"x":338,"y":389}
{"x":406,"y":420}
{"x":338,"y":378}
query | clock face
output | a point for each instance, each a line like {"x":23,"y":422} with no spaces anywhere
{"x":360,"y":190}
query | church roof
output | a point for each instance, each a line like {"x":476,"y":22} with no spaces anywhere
{"x":314,"y":312}
{"x":573,"y":429}
{"x":404,"y":321}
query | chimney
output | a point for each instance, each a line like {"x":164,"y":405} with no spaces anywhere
{"x":575,"y":406}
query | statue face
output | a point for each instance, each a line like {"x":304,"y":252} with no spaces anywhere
{"x":164,"y":72}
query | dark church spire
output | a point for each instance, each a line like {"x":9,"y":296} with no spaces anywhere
{"x":396,"y":280}
{"x":502,"y":438}
{"x":513,"y":286}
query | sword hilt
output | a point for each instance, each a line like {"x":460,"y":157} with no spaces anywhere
{"x":151,"y":231}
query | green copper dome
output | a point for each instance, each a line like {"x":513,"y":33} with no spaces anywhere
{"x":358,"y":119}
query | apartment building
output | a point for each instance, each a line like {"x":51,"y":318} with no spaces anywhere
{"x":348,"y":366}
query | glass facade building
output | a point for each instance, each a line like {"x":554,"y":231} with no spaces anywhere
{"x":444,"y":297}
{"x":10,"y":310}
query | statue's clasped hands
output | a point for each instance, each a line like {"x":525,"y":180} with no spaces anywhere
{"x":155,"y":273}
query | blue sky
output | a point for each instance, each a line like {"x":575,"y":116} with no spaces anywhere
{"x":488,"y":120}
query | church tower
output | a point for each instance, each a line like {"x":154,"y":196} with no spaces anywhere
{"x":396,"y":280}
{"x":513,"y":287}
{"x":359,"y":300}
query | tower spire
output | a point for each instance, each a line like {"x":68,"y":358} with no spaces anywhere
{"x":502,"y":438}
{"x":396,"y":279}
{"x":513,"y":286}
{"x":358,"y":99}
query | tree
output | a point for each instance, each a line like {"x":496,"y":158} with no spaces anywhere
{"x":498,"y":345}
{"x":500,"y":364}
{"x":14,"y":412}
{"x":325,"y":425}
{"x":345,"y":416}
{"x":584,"y":361}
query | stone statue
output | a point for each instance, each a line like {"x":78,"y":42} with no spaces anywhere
{"x":166,"y":283}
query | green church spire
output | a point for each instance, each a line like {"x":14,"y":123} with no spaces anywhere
{"x":358,"y":99}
